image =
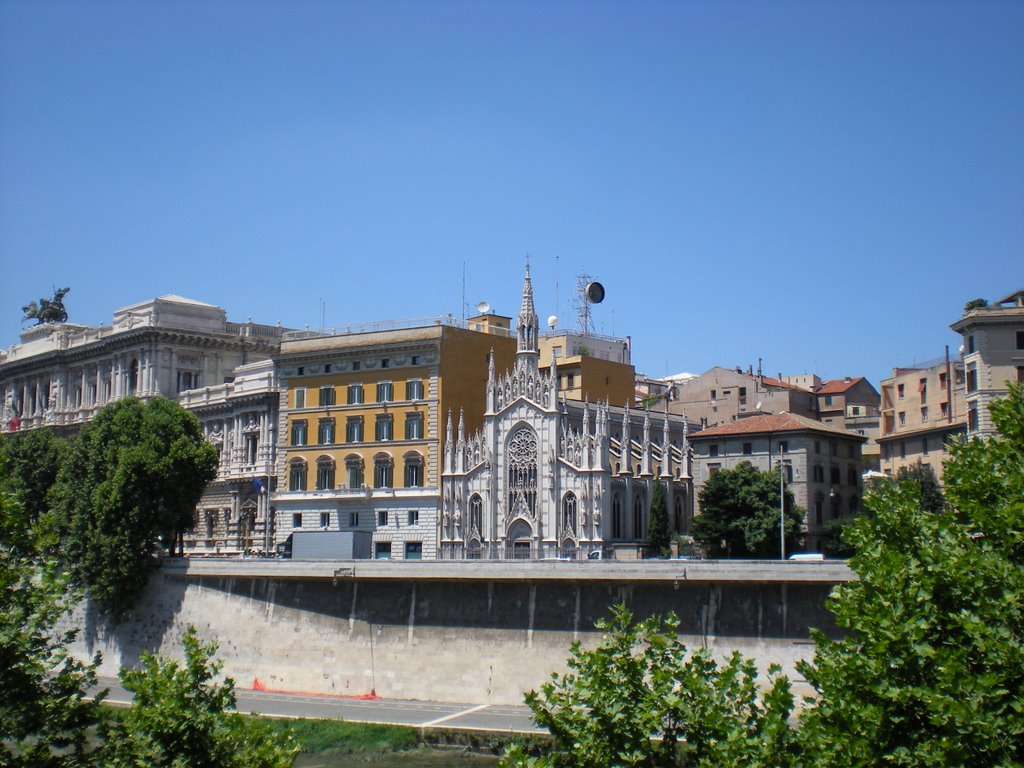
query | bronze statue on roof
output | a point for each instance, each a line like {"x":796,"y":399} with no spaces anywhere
{"x":47,"y":310}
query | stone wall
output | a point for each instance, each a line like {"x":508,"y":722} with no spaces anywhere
{"x":474,"y":641}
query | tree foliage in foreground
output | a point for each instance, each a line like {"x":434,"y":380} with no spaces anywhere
{"x":129,"y":485}
{"x":931,"y":670}
{"x":641,"y":699}
{"x":31,"y":461}
{"x":740,"y":507}
{"x":181,"y":716}
{"x":44,"y":719}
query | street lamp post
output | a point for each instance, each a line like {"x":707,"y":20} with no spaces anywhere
{"x":782,"y":509}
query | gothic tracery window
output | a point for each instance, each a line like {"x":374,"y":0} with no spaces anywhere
{"x":522,"y":472}
{"x":569,"y":508}
{"x":476,"y":514}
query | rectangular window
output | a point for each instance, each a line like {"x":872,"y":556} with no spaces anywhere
{"x":944,"y":409}
{"x":382,"y":518}
{"x":924,"y":445}
{"x":385,"y":363}
{"x":1020,"y":373}
{"x":382,"y":475}
{"x":324,"y":475}
{"x":903,"y":449}
{"x":383,"y":428}
{"x":326,"y":396}
{"x":972,"y":380}
{"x":924,"y":414}
{"x":413,"y":550}
{"x":413,"y":474}
{"x":298,"y":433}
{"x":355,"y":394}
{"x":902,"y":416}
{"x":414,"y":390}
{"x":354,"y":429}
{"x":1020,"y":339}
{"x":748,"y":449}
{"x":382,"y":550}
{"x":817,"y":446}
{"x":355,"y":475}
{"x":414,"y":426}
{"x":713,"y":450}
{"x":414,"y":517}
{"x":970,"y":343}
{"x":297,"y":476}
{"x":972,"y":417}
{"x":385,"y":392}
{"x":899,"y":391}
{"x":356,"y":365}
{"x":296,"y":520}
{"x":784,"y":446}
{"x":414,"y":360}
{"x":353,"y":519}
{"x":828,"y":399}
{"x":325,"y":519}
{"x":300,"y":398}
{"x":942,"y":380}
{"x":819,"y":473}
{"x":833,"y":475}
{"x":714,"y":394}
{"x":325,"y":432}
{"x":712,"y":468}
{"x":851,"y":476}
{"x":850,"y":451}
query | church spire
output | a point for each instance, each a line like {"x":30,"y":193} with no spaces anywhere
{"x":529,"y":326}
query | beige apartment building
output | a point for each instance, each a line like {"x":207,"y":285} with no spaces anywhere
{"x":822,"y":463}
{"x":993,"y":354}
{"x":923,"y":409}
{"x":852,"y":403}
{"x":723,"y":395}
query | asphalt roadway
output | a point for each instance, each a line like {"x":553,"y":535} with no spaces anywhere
{"x":417,"y":714}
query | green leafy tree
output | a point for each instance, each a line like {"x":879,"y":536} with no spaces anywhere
{"x":182,"y":716}
{"x":923,"y":476}
{"x":45,"y":720}
{"x":129,"y":486}
{"x":657,"y":530}
{"x":32,"y":460}
{"x":640,"y":699}
{"x":930,"y":671}
{"x":739,"y":514}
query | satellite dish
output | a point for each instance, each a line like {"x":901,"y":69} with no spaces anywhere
{"x":595,"y":293}
{"x":758,"y":407}
{"x":552,"y":322}
{"x":483,"y":307}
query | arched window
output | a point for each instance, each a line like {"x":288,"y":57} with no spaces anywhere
{"x":522,"y":472}
{"x":324,"y":473}
{"x":354,"y":468}
{"x":133,"y":377}
{"x":678,"y":506}
{"x":476,"y":515}
{"x":638,"y":516}
{"x":413,"y":470}
{"x":617,"y":517}
{"x":569,"y":508}
{"x":297,"y":475}
{"x":383,"y":471}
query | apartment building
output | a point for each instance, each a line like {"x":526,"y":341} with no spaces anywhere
{"x":993,"y":354}
{"x":362,"y":417}
{"x":822,"y":463}
{"x":923,"y":410}
{"x":852,"y":403}
{"x":723,"y":395}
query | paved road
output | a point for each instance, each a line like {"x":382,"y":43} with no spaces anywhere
{"x":420,"y":714}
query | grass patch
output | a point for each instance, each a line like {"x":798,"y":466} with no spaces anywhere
{"x":323,"y":737}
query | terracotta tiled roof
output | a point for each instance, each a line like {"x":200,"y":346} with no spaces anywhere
{"x":768,"y":381}
{"x":777,"y":422}
{"x":838,"y":386}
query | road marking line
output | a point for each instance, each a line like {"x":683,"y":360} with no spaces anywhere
{"x":453,"y":716}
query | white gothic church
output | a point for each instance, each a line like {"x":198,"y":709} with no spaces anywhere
{"x":551,"y":477}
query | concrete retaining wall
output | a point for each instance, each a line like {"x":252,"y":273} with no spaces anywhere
{"x":484,"y":639}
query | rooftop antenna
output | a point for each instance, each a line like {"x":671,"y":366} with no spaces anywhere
{"x":588,"y":291}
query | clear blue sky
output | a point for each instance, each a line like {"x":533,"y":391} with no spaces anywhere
{"x":818,"y":184}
